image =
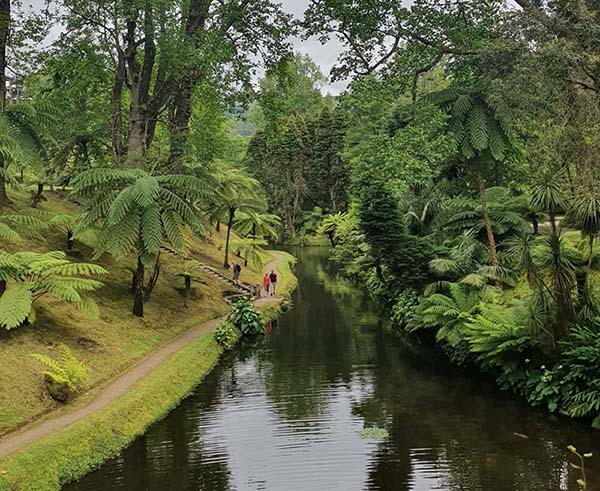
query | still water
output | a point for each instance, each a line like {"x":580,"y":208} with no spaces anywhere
{"x":286,"y":414}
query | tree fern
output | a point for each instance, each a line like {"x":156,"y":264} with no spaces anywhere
{"x":66,"y":369}
{"x":137,"y":213}
{"x":14,"y":225}
{"x":496,"y":338}
{"x":32,"y":275}
{"x":15,"y":305}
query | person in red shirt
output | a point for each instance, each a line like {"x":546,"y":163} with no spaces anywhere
{"x":266,"y":284}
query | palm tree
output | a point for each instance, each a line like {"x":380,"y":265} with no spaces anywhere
{"x":237,"y":192}
{"x":257,"y":224}
{"x":483,"y":137}
{"x":585,"y":212}
{"x":136,"y":212}
{"x":31,"y":275}
{"x":425,"y":207}
{"x":521,"y":250}
{"x":557,"y":259}
{"x":330,"y":225}
{"x":548,"y":195}
{"x":22,"y":139}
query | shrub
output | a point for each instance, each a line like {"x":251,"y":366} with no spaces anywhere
{"x":404,"y":307}
{"x":226,"y":335}
{"x":246,"y":318}
{"x":66,"y":374}
{"x":580,"y":362}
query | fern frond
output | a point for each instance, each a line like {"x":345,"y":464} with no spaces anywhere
{"x":478,"y":130}
{"x":15,"y":305}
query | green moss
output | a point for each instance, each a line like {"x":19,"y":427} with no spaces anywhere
{"x":83,"y":446}
{"x":288,"y":281}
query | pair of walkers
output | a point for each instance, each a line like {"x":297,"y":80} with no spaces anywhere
{"x":270,"y":283}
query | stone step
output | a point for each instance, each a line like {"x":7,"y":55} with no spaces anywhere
{"x":245,"y":291}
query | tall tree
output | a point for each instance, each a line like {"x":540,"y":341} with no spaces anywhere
{"x":4,"y":30}
{"x":162,"y":50}
{"x":328,"y":163}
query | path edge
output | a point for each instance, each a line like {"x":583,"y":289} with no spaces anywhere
{"x":83,"y":446}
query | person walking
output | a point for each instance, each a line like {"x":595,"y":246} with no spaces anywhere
{"x":273,"y":281}
{"x":266,"y":284}
{"x":237,"y":269}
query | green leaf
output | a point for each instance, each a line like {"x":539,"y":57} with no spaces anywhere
{"x":15,"y":305}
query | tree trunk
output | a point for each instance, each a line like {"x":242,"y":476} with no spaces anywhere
{"x":330,"y":235}
{"x":37,"y":198}
{"x":553,"y":224}
{"x":218,"y":226}
{"x":580,"y":279}
{"x":179,"y":118}
{"x":188,"y":287}
{"x":153,"y":278}
{"x":487,"y":222}
{"x":117,"y":98}
{"x":3,"y":196}
{"x":180,"y":110}
{"x":69,"y":240}
{"x":138,"y":289}
{"x":4,"y":30}
{"x":229,"y":225}
{"x":591,"y":256}
{"x":536,"y":226}
{"x":140,"y":80}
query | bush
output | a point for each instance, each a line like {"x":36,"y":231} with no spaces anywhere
{"x":404,"y":307}
{"x":66,"y":374}
{"x":580,"y":363}
{"x":246,"y":318}
{"x":226,"y":335}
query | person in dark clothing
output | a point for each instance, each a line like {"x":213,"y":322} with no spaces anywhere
{"x":273,"y":280}
{"x":236,"y":269}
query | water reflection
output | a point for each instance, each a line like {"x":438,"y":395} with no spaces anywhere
{"x":285,"y":414}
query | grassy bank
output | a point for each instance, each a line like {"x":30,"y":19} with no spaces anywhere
{"x":116,"y":340}
{"x":83,"y":446}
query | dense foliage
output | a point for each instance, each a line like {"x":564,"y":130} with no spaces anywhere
{"x":246,"y":318}
{"x":473,"y":196}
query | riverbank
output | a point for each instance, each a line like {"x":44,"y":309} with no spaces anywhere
{"x":124,"y":409}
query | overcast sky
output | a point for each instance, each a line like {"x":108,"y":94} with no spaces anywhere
{"x":325,"y":56}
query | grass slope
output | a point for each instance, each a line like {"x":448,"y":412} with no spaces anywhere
{"x":115,"y":341}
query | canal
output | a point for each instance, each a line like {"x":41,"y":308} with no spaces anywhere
{"x":289,"y":412}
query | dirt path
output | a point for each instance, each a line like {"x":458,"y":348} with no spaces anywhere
{"x":16,"y":441}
